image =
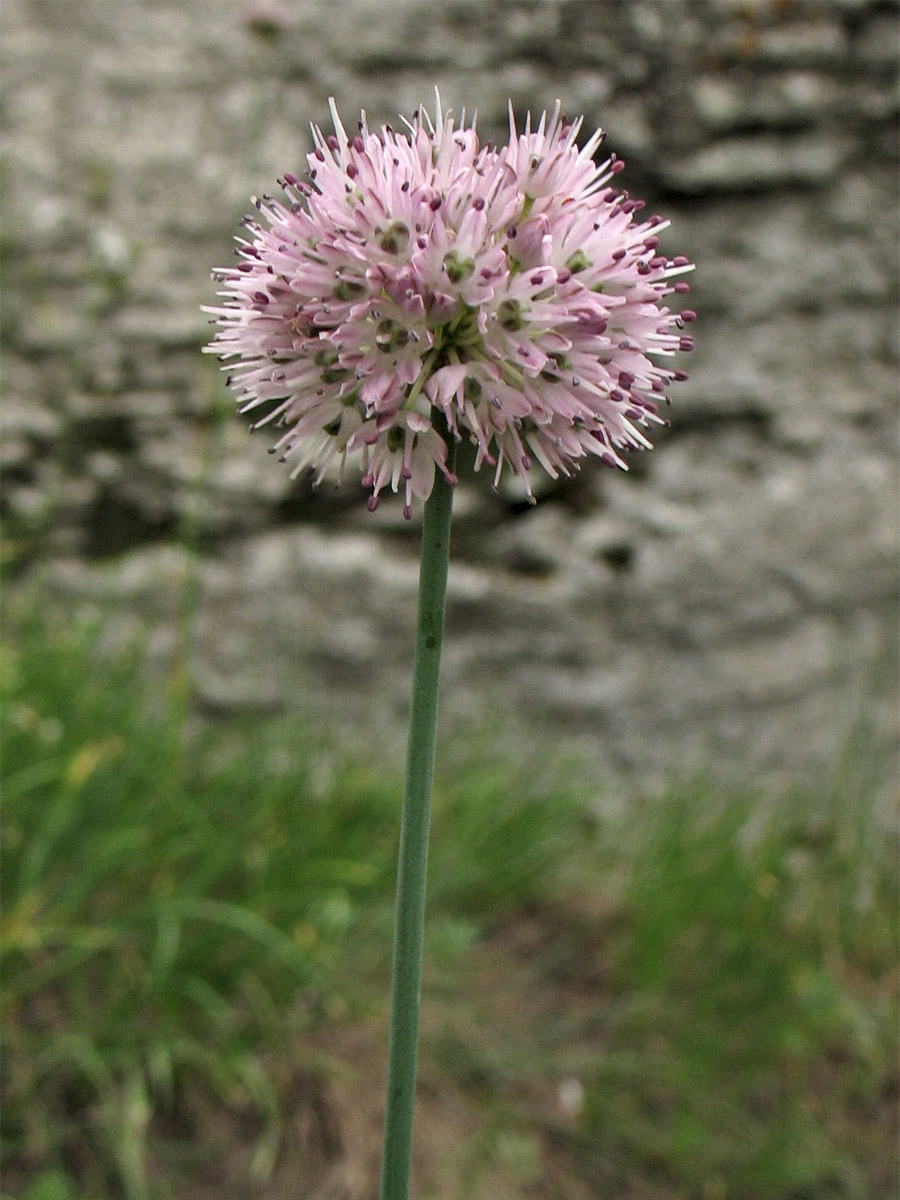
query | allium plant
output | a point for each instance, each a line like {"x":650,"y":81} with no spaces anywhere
{"x":416,"y":288}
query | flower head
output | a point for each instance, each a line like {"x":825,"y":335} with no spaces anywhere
{"x":417,"y":281}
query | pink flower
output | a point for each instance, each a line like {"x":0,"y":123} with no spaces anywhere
{"x":511,"y":290}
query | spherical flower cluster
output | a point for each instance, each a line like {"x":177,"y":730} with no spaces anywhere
{"x":418,"y":282}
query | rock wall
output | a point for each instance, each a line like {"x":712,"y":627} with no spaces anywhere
{"x":731,"y":599}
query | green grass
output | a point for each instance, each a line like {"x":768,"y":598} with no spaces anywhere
{"x":181,"y":904}
{"x":174,"y":905}
{"x":759,"y":963}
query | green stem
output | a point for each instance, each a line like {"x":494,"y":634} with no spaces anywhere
{"x":406,"y":975}
{"x":425,"y":373}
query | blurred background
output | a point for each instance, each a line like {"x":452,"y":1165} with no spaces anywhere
{"x":662,"y":957}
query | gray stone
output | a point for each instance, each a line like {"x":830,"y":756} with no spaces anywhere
{"x":796,"y":98}
{"x":759,"y":161}
{"x":815,"y":42}
{"x":724,"y":602}
{"x":877,"y":43}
